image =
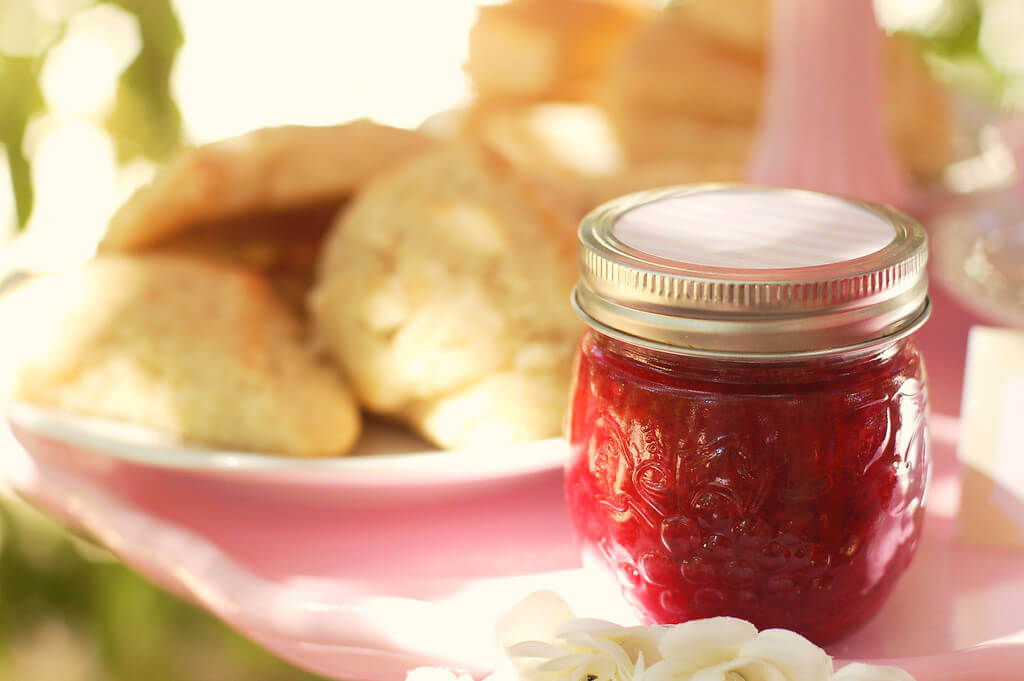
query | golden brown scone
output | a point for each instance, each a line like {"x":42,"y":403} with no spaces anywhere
{"x":263,"y":200}
{"x":573,"y":149}
{"x":554,"y":140}
{"x":198,"y":349}
{"x":671,"y":66}
{"x":738,"y":24}
{"x":547,"y":49}
{"x":508,"y":406}
{"x":918,"y":111}
{"x":649,"y":135}
{"x":272,"y":169}
{"x":281,"y":245}
{"x":559,"y":146}
{"x":682,"y":89}
{"x":442,"y":275}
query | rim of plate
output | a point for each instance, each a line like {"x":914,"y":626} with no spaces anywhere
{"x":142,"y":445}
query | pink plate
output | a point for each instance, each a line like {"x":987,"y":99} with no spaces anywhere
{"x":365,"y":569}
{"x":388,"y":466}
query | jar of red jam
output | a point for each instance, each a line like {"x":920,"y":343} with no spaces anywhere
{"x":747,"y":423}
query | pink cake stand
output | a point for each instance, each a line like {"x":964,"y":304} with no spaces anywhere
{"x":822,"y":126}
{"x":362,"y":577}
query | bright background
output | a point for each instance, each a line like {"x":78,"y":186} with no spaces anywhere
{"x":246,"y":64}
{"x":243,"y":64}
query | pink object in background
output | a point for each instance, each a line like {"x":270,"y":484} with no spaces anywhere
{"x":823,"y":125}
{"x":1012,"y":129}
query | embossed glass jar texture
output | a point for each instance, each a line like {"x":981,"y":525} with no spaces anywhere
{"x":747,"y":421}
{"x":787,"y":494}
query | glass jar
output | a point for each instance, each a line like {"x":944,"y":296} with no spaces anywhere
{"x":748,"y":415}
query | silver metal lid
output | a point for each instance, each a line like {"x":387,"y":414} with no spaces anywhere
{"x":751,"y":271}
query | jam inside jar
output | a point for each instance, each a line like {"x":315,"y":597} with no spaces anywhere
{"x":748,"y":415}
{"x":788,"y":494}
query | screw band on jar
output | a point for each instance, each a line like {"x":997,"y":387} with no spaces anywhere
{"x":748,"y":271}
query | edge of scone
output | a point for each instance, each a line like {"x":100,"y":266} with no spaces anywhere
{"x":263,"y":170}
{"x":201,"y":350}
{"x":547,"y":49}
{"x":263,"y":200}
{"x":443,"y":275}
{"x":689,"y":85}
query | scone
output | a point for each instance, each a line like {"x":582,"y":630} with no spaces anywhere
{"x":557,"y":141}
{"x":573,"y":152}
{"x":198,"y":349}
{"x":547,"y":49}
{"x":655,"y":174}
{"x":689,"y":86}
{"x":742,"y":25}
{"x":443,"y":293}
{"x":262,"y":200}
{"x":918,"y":110}
{"x":673,"y":67}
{"x":561,"y":147}
{"x":650,"y":135}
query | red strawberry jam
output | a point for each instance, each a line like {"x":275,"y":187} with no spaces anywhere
{"x":786,"y":493}
{"x":747,"y":421}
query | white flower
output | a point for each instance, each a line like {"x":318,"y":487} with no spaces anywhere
{"x":544,"y":641}
{"x":435,"y":674}
{"x":562,"y":647}
{"x":730,"y":649}
{"x":866,"y":672}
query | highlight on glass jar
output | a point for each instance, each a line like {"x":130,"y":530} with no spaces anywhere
{"x":748,"y":414}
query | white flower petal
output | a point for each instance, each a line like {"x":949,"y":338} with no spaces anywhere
{"x":649,"y":650}
{"x":796,"y":657}
{"x":526,"y":649}
{"x":604,"y":647}
{"x":667,"y":670}
{"x":744,"y":668}
{"x":500,"y":675}
{"x":643,"y":641}
{"x":640,"y":668}
{"x":632,"y":640}
{"x":566,"y":663}
{"x":587,"y":624}
{"x":435,"y":674}
{"x":596,"y":673}
{"x":707,"y":642}
{"x":536,"y":617}
{"x":573,"y":666}
{"x":866,"y":672}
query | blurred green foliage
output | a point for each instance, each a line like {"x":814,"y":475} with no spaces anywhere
{"x":954,"y":51}
{"x":70,"y":613}
{"x":144,"y":120}
{"x":20,"y":98}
